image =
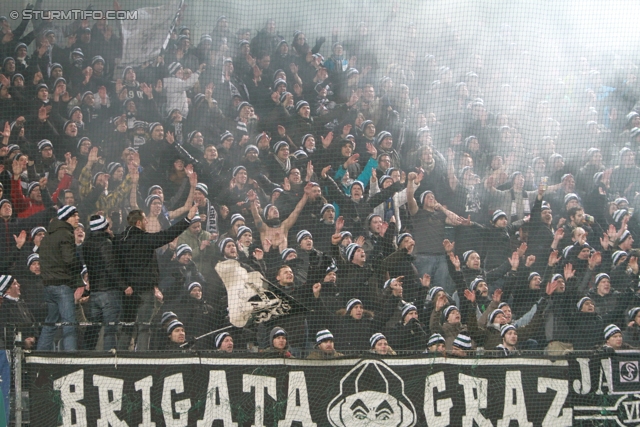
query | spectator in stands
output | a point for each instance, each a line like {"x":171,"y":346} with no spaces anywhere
{"x":509,"y":336}
{"x":60,"y":271}
{"x":15,"y":311}
{"x":436,"y":345}
{"x":278,"y":344}
{"x":176,"y":335}
{"x":136,"y":256}
{"x":224,"y":342}
{"x":324,"y":347}
{"x":379,"y":345}
{"x":107,"y":286}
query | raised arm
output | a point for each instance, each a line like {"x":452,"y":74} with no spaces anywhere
{"x":413,"y":181}
{"x":293,"y":217}
{"x":193,"y":181}
{"x":257,"y":219}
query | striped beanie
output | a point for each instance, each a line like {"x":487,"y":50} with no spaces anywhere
{"x":493,"y":315}
{"x":242,"y":230}
{"x":351,"y":251}
{"x":599,"y":278}
{"x":323,"y":335}
{"x":223,"y":243}
{"x":66,"y":212}
{"x":407,"y":308}
{"x":375,"y":338}
{"x":220,"y":337}
{"x":32,"y":258}
{"x":173,"y":325}
{"x":303,"y":234}
{"x":506,"y":328}
{"x":237,"y":217}
{"x":434,"y":291}
{"x":201,"y":187}
{"x":98,"y":222}
{"x":462,"y":342}
{"x":6,"y":280}
{"x":610,"y":331}
{"x":582,"y":301}
{"x":183,"y":249}
{"x":288,"y":252}
{"x":352,"y":303}
{"x":435,"y":339}
{"x":447,"y":311}
{"x":36,"y":230}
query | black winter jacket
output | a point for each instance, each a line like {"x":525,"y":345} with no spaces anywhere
{"x":59,"y":262}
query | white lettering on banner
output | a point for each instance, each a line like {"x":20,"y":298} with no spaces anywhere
{"x":145,"y":385}
{"x":442,"y":406}
{"x":553,"y":417}
{"x":632,"y":410}
{"x":71,"y":393}
{"x":583,"y":386}
{"x":605,"y":371}
{"x":174,"y":382}
{"x":218,"y":406}
{"x":259,"y":383}
{"x":474,"y":386}
{"x":108,"y":408}
{"x":297,"y":402}
{"x":513,"y":392}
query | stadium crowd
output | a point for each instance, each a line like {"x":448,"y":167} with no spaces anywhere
{"x":420,"y":203}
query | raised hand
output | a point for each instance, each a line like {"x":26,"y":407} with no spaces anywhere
{"x":193,"y":211}
{"x":531,"y":259}
{"x":20,"y":239}
{"x":352,"y":160}
{"x":326,"y":140}
{"x":360,"y":241}
{"x":339,"y":224}
{"x":425,"y":280}
{"x":372,"y":150}
{"x":448,"y":246}
{"x":554,"y":258}
{"x":514,"y":261}
{"x":497,"y":295}
{"x":384,"y":227}
{"x":455,"y":261}
{"x":316,"y":288}
{"x":169,"y":137}
{"x":558,"y":235}
{"x":326,"y":169}
{"x":471,"y":296}
{"x":93,"y":156}
{"x":286,"y":185}
{"x":522,"y":249}
{"x":595,"y":259}
{"x":569,"y":272}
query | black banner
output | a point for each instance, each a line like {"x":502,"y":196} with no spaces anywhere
{"x":202,"y":390}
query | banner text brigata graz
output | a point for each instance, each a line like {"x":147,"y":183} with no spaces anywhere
{"x":201,"y":390}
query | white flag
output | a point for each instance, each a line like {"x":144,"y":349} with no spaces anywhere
{"x":143,"y":37}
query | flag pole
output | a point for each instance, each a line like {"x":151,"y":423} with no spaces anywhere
{"x":174,"y":22}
